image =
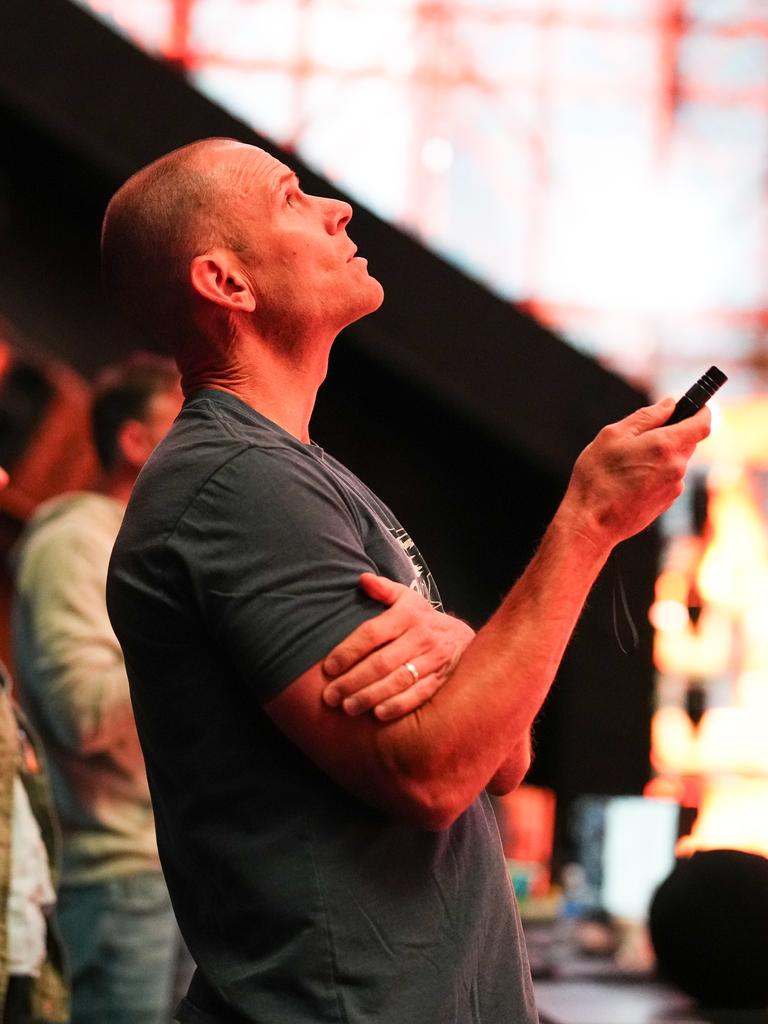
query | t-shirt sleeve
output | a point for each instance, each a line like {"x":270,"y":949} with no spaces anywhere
{"x":274,"y":550}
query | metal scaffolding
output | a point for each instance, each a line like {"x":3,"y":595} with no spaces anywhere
{"x":601,"y":162}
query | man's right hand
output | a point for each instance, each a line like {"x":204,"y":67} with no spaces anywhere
{"x":631,"y":473}
{"x":368,"y":668}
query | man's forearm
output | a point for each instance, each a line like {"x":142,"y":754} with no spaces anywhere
{"x":430,"y":765}
{"x":449,"y":750}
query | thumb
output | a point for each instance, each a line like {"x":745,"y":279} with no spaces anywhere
{"x":650,"y":416}
{"x":380,"y":588}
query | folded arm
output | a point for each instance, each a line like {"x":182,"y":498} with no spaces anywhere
{"x":376,"y":678}
{"x":429,"y":765}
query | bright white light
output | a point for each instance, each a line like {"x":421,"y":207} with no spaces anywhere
{"x":669,"y":616}
{"x":437,"y":155}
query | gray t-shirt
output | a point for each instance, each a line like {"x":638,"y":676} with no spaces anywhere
{"x":235,"y":571}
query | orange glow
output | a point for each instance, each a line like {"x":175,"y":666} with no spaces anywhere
{"x":664,"y":788}
{"x":527,"y":825}
{"x":727,"y":740}
{"x":701,"y":652}
{"x":742,"y":434}
{"x":734,"y":570}
{"x":685,"y":790}
{"x":672,"y":585}
{"x":673,"y":742}
{"x":733,"y":739}
{"x":732,"y":816}
{"x":726,"y":756}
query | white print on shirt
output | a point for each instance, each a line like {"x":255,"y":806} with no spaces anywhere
{"x":423,"y":583}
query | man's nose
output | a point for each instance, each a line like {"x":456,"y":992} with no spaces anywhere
{"x":338,"y":214}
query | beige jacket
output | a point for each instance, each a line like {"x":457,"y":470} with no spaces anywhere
{"x":73,"y":686}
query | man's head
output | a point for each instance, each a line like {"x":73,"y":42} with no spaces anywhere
{"x":134,"y":404}
{"x":216,"y":240}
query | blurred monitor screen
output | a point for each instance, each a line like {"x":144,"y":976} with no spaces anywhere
{"x":638,"y":853}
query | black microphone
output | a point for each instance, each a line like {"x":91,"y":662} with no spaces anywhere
{"x":696,"y":398}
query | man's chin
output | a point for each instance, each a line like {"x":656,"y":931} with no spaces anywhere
{"x":378,"y":294}
{"x":369,"y":299}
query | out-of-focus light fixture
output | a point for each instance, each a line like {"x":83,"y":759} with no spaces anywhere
{"x":682,"y":649}
{"x":732,"y":816}
{"x":741,"y":438}
{"x":673,"y":742}
{"x":669,"y":616}
{"x":733,"y":573}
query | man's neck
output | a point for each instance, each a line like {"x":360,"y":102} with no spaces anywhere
{"x":118,"y":483}
{"x":281,"y":386}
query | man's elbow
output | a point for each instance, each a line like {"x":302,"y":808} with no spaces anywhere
{"x":434,"y":806}
{"x":433,"y":792}
{"x":504,"y":782}
{"x":511,"y":774}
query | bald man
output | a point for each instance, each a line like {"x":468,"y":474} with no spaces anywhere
{"x":328,"y":844}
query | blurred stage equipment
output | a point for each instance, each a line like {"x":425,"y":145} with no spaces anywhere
{"x":709,"y":928}
{"x":709,"y":729}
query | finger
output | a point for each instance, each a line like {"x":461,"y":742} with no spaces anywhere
{"x":362,"y":641}
{"x":433,"y":649}
{"x":692,"y":430}
{"x":410,"y":699}
{"x":650,"y":416}
{"x":379,"y":666}
{"x":380,"y":588}
{"x":378,"y":630}
{"x":396,"y":682}
{"x":3,"y":478}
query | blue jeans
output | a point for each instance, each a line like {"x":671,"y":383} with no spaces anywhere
{"x":122,"y":943}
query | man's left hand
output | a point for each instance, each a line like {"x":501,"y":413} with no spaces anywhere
{"x":370,"y":667}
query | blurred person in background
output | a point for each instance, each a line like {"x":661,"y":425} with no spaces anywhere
{"x":44,"y":444}
{"x":32,"y":980}
{"x":114,"y":911}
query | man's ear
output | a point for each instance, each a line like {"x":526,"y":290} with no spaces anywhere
{"x":134,"y":443}
{"x":216,"y":276}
